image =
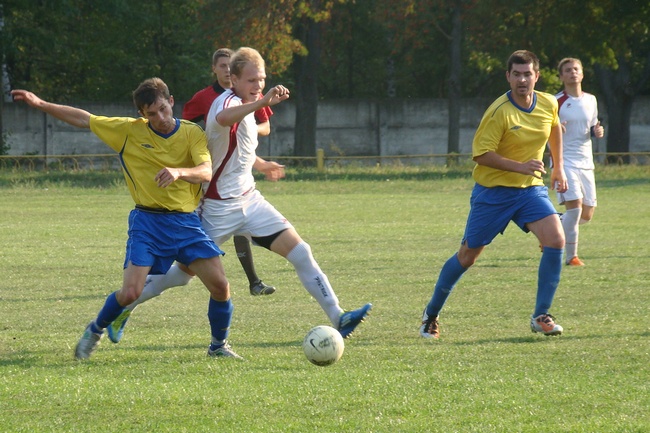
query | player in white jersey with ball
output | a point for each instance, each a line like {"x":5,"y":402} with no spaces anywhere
{"x":233,"y":206}
{"x":579,"y":119}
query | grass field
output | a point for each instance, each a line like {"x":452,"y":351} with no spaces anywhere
{"x":381,"y":238}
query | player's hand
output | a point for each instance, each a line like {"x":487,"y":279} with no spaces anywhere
{"x":276,"y":95}
{"x":534,"y":168}
{"x":599,"y":131}
{"x":28,"y":97}
{"x":563,"y":126}
{"x":559,"y":181}
{"x":272,"y":171}
{"x":167,"y":176}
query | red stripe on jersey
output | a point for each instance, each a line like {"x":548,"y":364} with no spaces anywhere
{"x":561,"y":98}
{"x":212,"y":191}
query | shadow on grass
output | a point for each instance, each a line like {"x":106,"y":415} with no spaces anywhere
{"x":538,"y":338}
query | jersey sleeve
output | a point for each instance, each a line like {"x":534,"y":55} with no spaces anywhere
{"x":263,"y":115}
{"x":193,"y":109}
{"x":488,"y":134}
{"x":594,"y":117}
{"x":111,"y":130}
{"x":199,"y":146}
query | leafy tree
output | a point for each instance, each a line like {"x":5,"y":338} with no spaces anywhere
{"x":99,"y":51}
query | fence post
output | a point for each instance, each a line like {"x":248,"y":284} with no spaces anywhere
{"x":320,"y":160}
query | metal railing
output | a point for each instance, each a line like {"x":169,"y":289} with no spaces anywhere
{"x":321,"y":162}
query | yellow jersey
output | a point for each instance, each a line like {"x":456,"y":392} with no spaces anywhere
{"x":515,"y":133}
{"x":144,"y":152}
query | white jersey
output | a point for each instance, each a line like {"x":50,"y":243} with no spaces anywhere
{"x":232,"y":149}
{"x":580,"y":115}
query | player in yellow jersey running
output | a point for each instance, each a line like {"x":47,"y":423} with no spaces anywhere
{"x":508,"y":148}
{"x":164,"y":160}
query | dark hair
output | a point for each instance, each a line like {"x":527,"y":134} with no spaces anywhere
{"x":523,"y":57}
{"x":149,"y":91}
{"x":221,"y":52}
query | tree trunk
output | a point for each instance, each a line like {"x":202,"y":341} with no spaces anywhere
{"x":307,"y":91}
{"x":455,"y":93}
{"x":619,"y":94}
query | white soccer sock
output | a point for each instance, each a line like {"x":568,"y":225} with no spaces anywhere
{"x":156,"y":284}
{"x":315,"y":281}
{"x":571,"y":231}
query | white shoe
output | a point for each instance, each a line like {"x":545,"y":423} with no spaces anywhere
{"x":87,"y":344}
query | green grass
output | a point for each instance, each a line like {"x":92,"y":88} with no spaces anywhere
{"x":381,"y":236}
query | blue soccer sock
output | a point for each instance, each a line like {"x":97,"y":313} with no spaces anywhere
{"x":219,"y":315}
{"x":107,"y":314}
{"x":449,"y":276}
{"x":548,"y":278}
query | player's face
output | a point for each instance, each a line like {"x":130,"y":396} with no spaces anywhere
{"x":522,"y":79}
{"x":222,"y":71}
{"x":250,"y":84}
{"x":160,"y":115}
{"x":571,"y":73}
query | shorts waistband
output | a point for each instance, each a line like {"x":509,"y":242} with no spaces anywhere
{"x":156,"y":209}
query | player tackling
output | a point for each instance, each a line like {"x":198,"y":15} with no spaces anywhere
{"x":233,"y":206}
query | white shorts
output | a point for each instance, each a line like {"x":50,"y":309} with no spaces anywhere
{"x":249,"y":216}
{"x":582,"y":185}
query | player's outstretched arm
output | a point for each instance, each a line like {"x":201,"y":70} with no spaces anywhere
{"x":236,"y":114}
{"x":74,"y":116}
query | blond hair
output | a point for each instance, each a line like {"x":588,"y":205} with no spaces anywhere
{"x":242,"y":57}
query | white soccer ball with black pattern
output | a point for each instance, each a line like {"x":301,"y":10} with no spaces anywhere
{"x":323,"y":345}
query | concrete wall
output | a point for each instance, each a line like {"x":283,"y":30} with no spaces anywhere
{"x":345,"y":128}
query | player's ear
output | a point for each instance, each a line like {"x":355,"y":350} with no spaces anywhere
{"x":171,"y":100}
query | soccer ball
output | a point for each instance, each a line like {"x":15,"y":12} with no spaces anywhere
{"x":323,"y":345}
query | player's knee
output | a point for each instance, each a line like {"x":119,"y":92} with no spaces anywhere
{"x":127,"y":294}
{"x":585,"y":218}
{"x":219,"y":289}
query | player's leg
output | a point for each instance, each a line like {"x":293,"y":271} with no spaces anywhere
{"x":245,"y":256}
{"x":290,"y":245}
{"x":450,"y":274}
{"x":570,"y":225}
{"x":484,"y":222}
{"x":572,"y":199}
{"x":589,"y":199}
{"x":220,"y":306}
{"x":178,"y":275}
{"x":132,"y":283}
{"x":270,"y":229}
{"x":550,"y":233}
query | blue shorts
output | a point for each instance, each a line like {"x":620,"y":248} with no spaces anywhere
{"x":157,"y":239}
{"x":491,"y":209}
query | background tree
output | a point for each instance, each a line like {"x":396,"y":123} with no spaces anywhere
{"x":99,"y":51}
{"x":323,"y":49}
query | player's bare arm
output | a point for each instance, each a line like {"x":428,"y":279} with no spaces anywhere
{"x":271,"y":169}
{"x":236,"y":114}
{"x":534,"y":167}
{"x":558,"y":177}
{"x":71,"y":115}
{"x":264,"y":129}
{"x":199,"y":174}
